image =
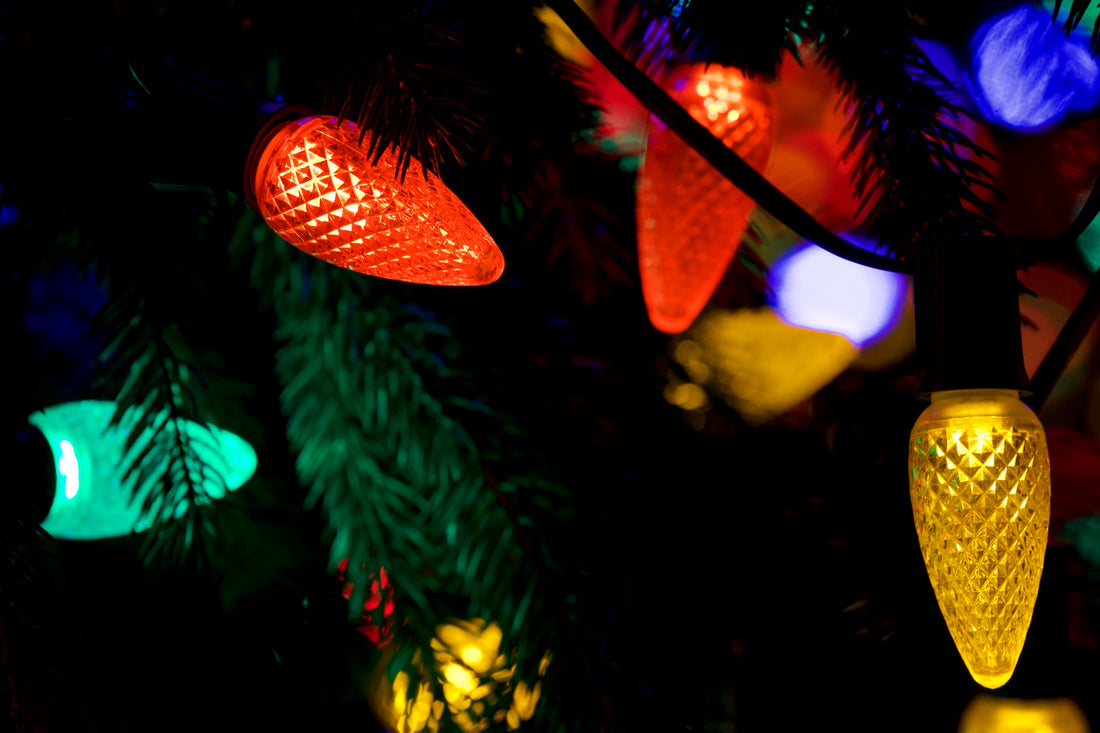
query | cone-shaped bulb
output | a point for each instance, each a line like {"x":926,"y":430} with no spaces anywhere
{"x":691,"y":217}
{"x":92,"y":501}
{"x":979,"y":480}
{"x":317,"y":189}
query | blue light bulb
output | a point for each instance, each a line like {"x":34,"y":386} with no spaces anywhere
{"x":1026,"y":74}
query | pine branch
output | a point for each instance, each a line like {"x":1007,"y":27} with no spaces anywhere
{"x":576,"y":222}
{"x":160,"y":394}
{"x":443,"y":84}
{"x":749,"y":36}
{"x":397,"y":470}
{"x":403,"y":92}
{"x":1076,"y":13}
{"x":728,"y":163}
{"x":916,"y":172}
{"x":397,"y":476}
{"x":166,"y":393}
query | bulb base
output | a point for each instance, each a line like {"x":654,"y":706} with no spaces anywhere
{"x":966,"y":300}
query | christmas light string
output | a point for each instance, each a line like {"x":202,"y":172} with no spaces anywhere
{"x":979,"y":476}
{"x":728,"y":163}
{"x":766,"y":195}
{"x":775,"y":202}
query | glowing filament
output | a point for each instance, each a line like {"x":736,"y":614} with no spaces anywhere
{"x":68,"y":467}
{"x":471,"y":655}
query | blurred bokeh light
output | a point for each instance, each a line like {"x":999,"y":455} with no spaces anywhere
{"x":816,"y":289}
{"x":1026,"y":74}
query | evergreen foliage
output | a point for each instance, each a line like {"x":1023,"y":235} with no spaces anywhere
{"x":487,"y":449}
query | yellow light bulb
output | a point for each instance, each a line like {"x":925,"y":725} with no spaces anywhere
{"x":979,"y":481}
{"x":460,"y":677}
{"x":988,"y":714}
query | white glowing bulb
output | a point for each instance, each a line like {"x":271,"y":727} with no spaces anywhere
{"x":816,"y":289}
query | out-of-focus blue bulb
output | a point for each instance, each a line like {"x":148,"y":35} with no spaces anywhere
{"x":1026,"y":74}
{"x":816,"y":289}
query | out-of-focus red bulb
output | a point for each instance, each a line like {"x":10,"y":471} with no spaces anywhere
{"x":690,"y":217}
{"x":381,"y":594}
{"x":316,"y":187}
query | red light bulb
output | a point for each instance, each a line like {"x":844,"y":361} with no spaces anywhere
{"x":381,"y":594}
{"x":690,"y":217}
{"x":316,"y":187}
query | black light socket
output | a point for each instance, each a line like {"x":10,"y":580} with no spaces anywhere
{"x":967,"y":307}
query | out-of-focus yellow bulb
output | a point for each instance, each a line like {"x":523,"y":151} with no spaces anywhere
{"x":988,"y":714}
{"x":460,"y":677}
{"x":979,"y":481}
{"x":471,"y":655}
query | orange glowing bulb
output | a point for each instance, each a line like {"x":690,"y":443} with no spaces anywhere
{"x":316,"y":187}
{"x":690,"y":217}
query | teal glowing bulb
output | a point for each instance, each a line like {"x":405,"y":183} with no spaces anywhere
{"x":92,"y":500}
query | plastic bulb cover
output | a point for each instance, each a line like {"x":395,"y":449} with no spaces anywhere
{"x":761,"y":366}
{"x":818,"y":290}
{"x":92,"y":500}
{"x":988,"y":714}
{"x":690,"y":217}
{"x":1026,"y":74}
{"x":979,"y":481}
{"x":317,"y":189}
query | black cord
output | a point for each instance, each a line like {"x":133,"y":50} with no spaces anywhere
{"x":730,"y":165}
{"x":1033,"y":252}
{"x":727,"y":162}
{"x":1065,"y":345}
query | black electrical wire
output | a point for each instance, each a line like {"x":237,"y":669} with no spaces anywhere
{"x":1037,"y":251}
{"x":771,"y":199}
{"x":756,"y":186}
{"x":1065,"y":345}
{"x":727,"y":162}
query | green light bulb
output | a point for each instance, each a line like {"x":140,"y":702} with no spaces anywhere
{"x":91,"y":500}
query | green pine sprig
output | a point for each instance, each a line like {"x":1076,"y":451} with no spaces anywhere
{"x":917,"y":173}
{"x":412,"y":469}
{"x":162,"y":390}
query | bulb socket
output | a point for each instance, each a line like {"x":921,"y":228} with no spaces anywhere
{"x":967,"y":306}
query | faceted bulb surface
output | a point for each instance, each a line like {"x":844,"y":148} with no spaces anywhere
{"x":979,"y":482}
{"x":318,"y":190}
{"x":690,"y":218}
